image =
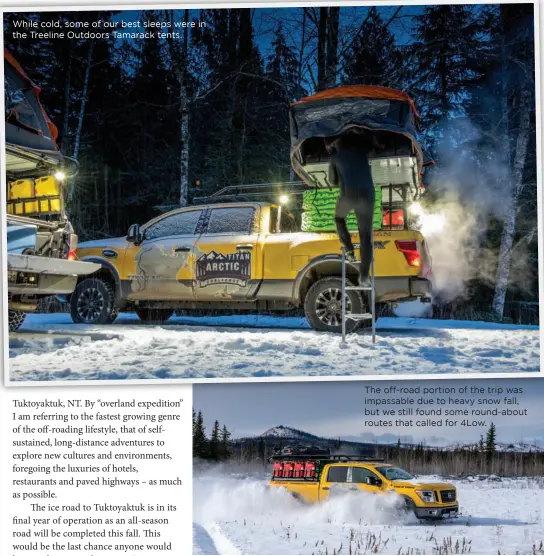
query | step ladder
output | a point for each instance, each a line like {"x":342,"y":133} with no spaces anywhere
{"x":346,"y":288}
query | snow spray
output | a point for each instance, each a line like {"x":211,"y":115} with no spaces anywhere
{"x":224,"y":498}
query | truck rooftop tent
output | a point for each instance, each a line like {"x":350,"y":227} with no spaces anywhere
{"x":30,"y":134}
{"x":388,"y":114}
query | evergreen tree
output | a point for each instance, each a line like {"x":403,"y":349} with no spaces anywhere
{"x":262,"y":450}
{"x":200,"y":448}
{"x":490,"y":442}
{"x":280,"y":88}
{"x":225,"y":450}
{"x":367,"y":65}
{"x":215,"y":443}
{"x":447,"y":43}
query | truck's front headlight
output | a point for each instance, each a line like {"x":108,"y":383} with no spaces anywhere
{"x":426,"y":495}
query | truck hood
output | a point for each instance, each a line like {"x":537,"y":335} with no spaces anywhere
{"x":423,"y":485}
{"x":113,"y":243}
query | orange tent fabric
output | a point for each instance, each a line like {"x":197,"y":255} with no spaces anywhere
{"x":13,"y":62}
{"x":366,"y":91}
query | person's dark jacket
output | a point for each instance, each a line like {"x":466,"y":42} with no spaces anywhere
{"x":350,"y":169}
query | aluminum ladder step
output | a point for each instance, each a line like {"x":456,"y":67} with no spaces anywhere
{"x":359,"y":288}
{"x":360,"y":316}
{"x":345,"y":288}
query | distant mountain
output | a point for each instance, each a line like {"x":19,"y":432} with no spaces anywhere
{"x":388,"y":438}
{"x":365,"y":443}
{"x":504,"y":447}
{"x":282,"y":436}
{"x":288,"y":433}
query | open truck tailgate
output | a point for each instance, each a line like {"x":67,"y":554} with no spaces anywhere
{"x":29,"y":274}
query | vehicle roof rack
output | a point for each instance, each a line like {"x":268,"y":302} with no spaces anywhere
{"x":254,"y":191}
{"x":322,"y":457}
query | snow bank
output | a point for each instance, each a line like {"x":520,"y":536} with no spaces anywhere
{"x":51,"y":347}
{"x":241,"y":516}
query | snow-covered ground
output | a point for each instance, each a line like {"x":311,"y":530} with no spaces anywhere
{"x":51,"y":347}
{"x":240,"y":515}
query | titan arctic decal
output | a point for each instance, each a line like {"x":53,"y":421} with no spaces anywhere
{"x":218,"y":268}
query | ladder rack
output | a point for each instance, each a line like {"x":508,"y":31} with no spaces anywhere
{"x":345,"y":288}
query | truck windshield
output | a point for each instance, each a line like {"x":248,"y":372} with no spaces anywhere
{"x":395,"y":473}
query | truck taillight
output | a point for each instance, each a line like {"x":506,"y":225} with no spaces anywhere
{"x":410,"y":252}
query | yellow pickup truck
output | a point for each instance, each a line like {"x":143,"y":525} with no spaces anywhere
{"x":313,"y":479}
{"x":235,"y":256}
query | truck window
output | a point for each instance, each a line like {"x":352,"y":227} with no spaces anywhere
{"x":359,"y":474}
{"x":288,"y":222}
{"x":395,"y":473}
{"x":337,"y":474}
{"x":234,"y":220}
{"x":181,"y":223}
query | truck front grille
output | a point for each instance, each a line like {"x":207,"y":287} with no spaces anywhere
{"x":447,"y":496}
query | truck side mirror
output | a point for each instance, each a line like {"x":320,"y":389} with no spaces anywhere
{"x":134,"y":235}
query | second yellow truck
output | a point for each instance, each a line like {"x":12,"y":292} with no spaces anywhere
{"x":316,"y":478}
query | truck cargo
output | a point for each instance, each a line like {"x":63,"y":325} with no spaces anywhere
{"x":41,"y":242}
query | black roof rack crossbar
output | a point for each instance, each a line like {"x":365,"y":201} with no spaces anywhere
{"x":254,"y":191}
{"x":322,"y":457}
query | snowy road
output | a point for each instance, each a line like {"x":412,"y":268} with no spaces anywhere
{"x":51,"y":347}
{"x":242,"y":516}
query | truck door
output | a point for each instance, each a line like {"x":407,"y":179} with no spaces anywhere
{"x":163,"y":266}
{"x":334,"y":481}
{"x":229,"y":254}
{"x":366,"y":480}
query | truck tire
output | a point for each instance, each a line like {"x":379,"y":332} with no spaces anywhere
{"x":408,"y":507}
{"x":15,"y":319}
{"x":93,"y":302}
{"x":154,"y":316}
{"x":323,"y":308}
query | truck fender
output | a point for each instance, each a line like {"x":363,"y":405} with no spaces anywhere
{"x":106,"y":265}
{"x":324,"y":265}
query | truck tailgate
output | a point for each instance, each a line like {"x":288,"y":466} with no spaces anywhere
{"x":48,"y":265}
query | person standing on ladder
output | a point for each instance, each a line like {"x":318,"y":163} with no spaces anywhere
{"x":350,"y":171}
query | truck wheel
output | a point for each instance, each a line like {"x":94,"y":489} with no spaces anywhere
{"x":93,"y":302}
{"x":323,"y":305}
{"x":154,"y":316}
{"x":408,"y":507}
{"x":15,"y":319}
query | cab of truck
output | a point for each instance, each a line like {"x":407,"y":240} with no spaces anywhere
{"x":316,"y":478}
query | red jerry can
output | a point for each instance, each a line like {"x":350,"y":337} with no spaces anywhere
{"x":309,"y":470}
{"x":276,"y":470}
{"x":287,"y":469}
{"x":299,"y":470}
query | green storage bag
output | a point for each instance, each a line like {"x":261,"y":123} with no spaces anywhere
{"x":318,"y":206}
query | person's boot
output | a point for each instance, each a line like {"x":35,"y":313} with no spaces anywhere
{"x":365,"y":282}
{"x":350,"y":256}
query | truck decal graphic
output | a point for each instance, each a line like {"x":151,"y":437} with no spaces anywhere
{"x":218,"y":268}
{"x":377,"y":244}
